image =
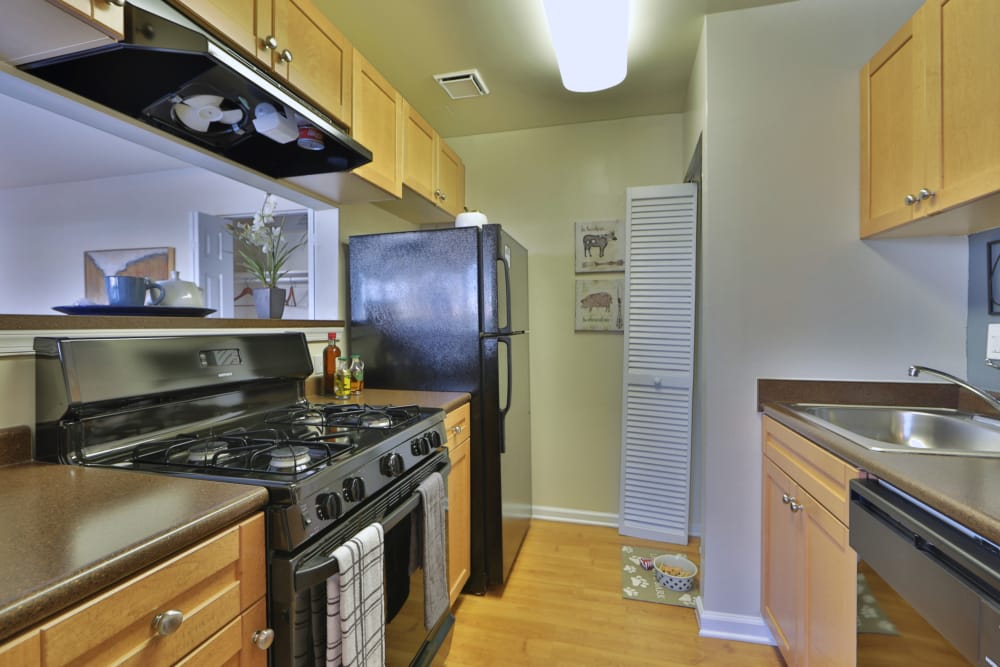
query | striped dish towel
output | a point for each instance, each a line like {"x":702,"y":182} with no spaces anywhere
{"x":355,"y":633}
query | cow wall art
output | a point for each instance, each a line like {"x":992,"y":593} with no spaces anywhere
{"x":600,"y":247}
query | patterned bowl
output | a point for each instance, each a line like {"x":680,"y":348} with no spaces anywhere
{"x":682,"y":572}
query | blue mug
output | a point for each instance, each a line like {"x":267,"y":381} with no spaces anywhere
{"x":131,"y":291}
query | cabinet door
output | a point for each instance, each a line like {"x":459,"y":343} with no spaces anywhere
{"x":313,"y":56}
{"x":451,"y":180}
{"x":103,"y":14}
{"x":964,"y":99}
{"x":830,"y":582}
{"x":23,"y":651}
{"x":378,"y":125}
{"x":892,"y":135}
{"x":419,"y":154}
{"x":459,"y":510}
{"x":780,"y":590}
{"x":235,"y":20}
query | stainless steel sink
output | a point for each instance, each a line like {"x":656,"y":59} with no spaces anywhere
{"x":907,"y":429}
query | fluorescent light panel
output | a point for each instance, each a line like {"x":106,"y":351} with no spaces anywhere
{"x":590,"y":38}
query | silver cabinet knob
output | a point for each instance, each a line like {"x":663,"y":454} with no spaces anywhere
{"x":167,"y":623}
{"x":909,"y":200}
{"x":117,"y":3}
{"x":269,"y":42}
{"x":437,"y":193}
{"x":286,"y":56}
{"x":456,"y":429}
{"x":794,"y":506}
{"x":785,"y":498}
{"x":443,"y":196}
{"x":925,"y":194}
{"x":263,"y":639}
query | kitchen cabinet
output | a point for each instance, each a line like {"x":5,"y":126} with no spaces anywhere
{"x":459,"y":511}
{"x":108,"y":16}
{"x":291,"y":38}
{"x":433,"y":174}
{"x":205,"y":605}
{"x":809,"y":578}
{"x":930,"y":121}
{"x":22,"y":651}
{"x":378,"y":125}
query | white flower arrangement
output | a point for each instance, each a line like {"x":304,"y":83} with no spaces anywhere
{"x":266,"y":236}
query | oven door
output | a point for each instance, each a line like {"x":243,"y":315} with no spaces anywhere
{"x":298,"y":585}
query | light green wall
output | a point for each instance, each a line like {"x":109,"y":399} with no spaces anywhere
{"x":537,"y":183}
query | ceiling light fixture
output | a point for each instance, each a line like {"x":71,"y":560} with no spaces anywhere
{"x":590,"y":38}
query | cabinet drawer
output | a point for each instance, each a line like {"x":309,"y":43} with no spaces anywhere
{"x":23,"y":651}
{"x":456,"y":423}
{"x":821,"y":474}
{"x":117,"y":626}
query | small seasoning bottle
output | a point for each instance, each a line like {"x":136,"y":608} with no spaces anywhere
{"x":357,"y":374}
{"x":342,"y":381}
{"x":331,"y":354}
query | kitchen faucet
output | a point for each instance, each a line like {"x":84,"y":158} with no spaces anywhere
{"x":917,"y":370}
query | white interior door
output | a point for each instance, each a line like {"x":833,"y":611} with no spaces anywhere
{"x":214,"y":263}
{"x":661,"y":236}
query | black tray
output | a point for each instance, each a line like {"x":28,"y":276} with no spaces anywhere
{"x":135,"y":311}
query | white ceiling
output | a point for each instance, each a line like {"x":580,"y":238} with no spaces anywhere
{"x":508,"y":42}
{"x":409,"y":42}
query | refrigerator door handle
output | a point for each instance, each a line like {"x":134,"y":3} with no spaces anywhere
{"x":506,"y":281}
{"x":504,"y":340}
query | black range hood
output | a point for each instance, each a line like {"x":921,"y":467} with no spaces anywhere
{"x":171,"y":74}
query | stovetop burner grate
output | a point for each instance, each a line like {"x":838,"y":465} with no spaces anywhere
{"x":253,"y":452}
{"x":348,"y":416}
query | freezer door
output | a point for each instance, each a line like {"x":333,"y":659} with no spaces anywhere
{"x":414,"y":308}
{"x":505,"y":282}
{"x":507,"y":451}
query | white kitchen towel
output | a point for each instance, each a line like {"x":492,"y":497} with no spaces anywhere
{"x":435,"y":548}
{"x":355,"y":602}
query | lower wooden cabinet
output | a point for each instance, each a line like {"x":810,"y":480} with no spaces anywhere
{"x":459,"y":511}
{"x":196,"y":607}
{"x":809,"y":577}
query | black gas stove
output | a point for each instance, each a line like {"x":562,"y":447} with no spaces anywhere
{"x":230,"y":408}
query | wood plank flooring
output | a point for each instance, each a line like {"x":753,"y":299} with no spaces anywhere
{"x":562,"y":607}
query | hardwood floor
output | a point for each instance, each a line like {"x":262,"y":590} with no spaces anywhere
{"x":562,"y":607}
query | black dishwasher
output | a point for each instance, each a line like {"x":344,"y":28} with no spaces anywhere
{"x":937,"y":583}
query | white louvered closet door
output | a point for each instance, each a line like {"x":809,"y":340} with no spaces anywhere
{"x":661,"y":233}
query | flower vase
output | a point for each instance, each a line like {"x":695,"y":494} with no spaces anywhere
{"x":270,"y":302}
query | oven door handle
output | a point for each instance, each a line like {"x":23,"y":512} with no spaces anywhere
{"x":316,"y":573}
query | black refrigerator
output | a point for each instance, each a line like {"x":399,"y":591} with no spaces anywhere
{"x":447,"y":310}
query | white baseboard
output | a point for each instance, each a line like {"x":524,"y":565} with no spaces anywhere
{"x":737,"y":627}
{"x":574,"y":516}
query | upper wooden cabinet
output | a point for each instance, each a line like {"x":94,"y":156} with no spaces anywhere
{"x":433,"y":174}
{"x":293,"y":39}
{"x":106,"y":15}
{"x":378,"y":125}
{"x":930,"y":120}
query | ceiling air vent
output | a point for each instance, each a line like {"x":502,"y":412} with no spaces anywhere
{"x":460,"y":85}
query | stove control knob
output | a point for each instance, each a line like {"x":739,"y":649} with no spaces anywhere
{"x":392,"y":465}
{"x":416,"y":446}
{"x":423,"y":446}
{"x":328,"y":506}
{"x":435,"y":438}
{"x":354,"y":489}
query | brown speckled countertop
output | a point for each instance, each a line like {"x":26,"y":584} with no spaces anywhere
{"x":963,"y":488}
{"x":69,"y":531}
{"x":445,"y":400}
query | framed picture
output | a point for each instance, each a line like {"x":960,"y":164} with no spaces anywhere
{"x":152,"y":263}
{"x":599,"y":305}
{"x":599,"y":247}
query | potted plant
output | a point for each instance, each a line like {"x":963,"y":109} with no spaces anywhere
{"x":265,"y":252}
